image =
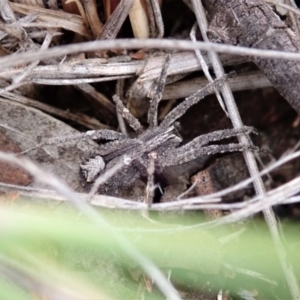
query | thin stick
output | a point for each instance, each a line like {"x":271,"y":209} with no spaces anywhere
{"x":22,"y":58}
{"x":247,"y":81}
{"x":205,"y":67}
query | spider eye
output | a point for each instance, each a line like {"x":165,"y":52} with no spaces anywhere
{"x":91,"y":168}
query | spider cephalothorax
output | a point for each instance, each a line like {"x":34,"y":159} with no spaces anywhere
{"x":160,"y":145}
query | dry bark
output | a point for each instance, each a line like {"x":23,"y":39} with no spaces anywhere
{"x":253,"y":23}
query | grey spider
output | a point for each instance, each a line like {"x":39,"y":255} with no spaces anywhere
{"x":121,"y":160}
{"x":159,"y":145}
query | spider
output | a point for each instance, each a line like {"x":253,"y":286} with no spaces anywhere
{"x":155,"y":148}
{"x":121,"y":160}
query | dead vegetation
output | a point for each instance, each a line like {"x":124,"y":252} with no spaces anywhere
{"x":63,"y":62}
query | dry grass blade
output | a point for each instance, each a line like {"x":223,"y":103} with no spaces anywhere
{"x":146,"y":43}
{"x":6,"y":12}
{"x":247,"y":81}
{"x":92,"y":17}
{"x":116,"y":20}
{"x":139,"y":20}
{"x":94,"y":69}
{"x":155,"y":18}
{"x":52,"y":19}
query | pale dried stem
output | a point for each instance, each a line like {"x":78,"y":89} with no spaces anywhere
{"x":92,"y":17}
{"x":6,"y":12}
{"x":295,"y":6}
{"x":151,"y":18}
{"x":139,"y":20}
{"x":92,"y":69}
{"x":252,"y":206}
{"x":23,"y":58}
{"x":52,"y":18}
{"x":247,"y":81}
{"x":116,"y":20}
{"x":205,"y":67}
{"x":26,"y":72}
{"x":45,"y":195}
{"x":78,"y":81}
{"x":80,"y":9}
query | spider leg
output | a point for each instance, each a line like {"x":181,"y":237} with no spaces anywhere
{"x":181,"y":156}
{"x":152,"y":112}
{"x":218,"y":135}
{"x":180,"y":109}
{"x":117,"y":146}
{"x":133,"y":122}
{"x":103,"y":134}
